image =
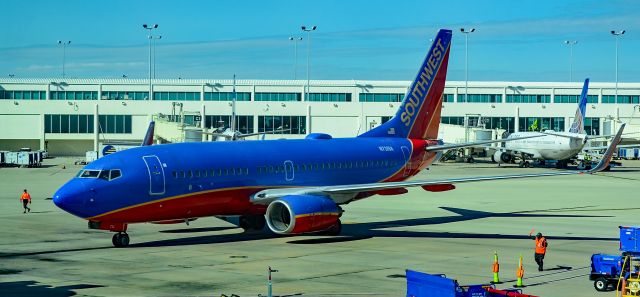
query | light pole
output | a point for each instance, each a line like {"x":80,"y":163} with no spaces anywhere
{"x":154,"y":38}
{"x":64,"y":44}
{"x":617,"y":34}
{"x":466,"y":61}
{"x":295,"y":55}
{"x":570,"y":43}
{"x":308,"y":30}
{"x":151,"y":27}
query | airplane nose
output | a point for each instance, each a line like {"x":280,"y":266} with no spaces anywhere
{"x":70,"y":198}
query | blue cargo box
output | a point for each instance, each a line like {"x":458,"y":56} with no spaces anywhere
{"x":603,"y":265}
{"x":629,"y":236}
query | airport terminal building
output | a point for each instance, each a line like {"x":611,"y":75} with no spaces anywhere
{"x":72,"y":116}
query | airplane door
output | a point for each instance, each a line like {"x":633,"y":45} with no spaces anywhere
{"x":156,"y":175}
{"x":288,"y":170}
{"x":407,"y":157}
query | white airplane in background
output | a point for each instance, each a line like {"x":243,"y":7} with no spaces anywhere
{"x":551,"y":145}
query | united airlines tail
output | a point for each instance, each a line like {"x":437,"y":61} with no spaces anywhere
{"x":419,"y":114}
{"x":578,"y":123}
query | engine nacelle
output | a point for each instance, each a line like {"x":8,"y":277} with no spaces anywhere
{"x":499,"y":156}
{"x":302,"y":214}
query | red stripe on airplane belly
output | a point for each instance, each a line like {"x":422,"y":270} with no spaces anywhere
{"x":232,"y":202}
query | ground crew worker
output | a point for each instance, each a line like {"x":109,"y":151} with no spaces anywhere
{"x":26,"y":199}
{"x":541,"y":249}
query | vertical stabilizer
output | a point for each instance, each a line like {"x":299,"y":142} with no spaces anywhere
{"x":578,"y":122}
{"x":419,"y":114}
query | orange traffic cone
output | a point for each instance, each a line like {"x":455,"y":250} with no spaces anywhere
{"x":519,"y":274}
{"x":496,"y":269}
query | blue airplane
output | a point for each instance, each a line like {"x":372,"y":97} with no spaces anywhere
{"x":292,"y":186}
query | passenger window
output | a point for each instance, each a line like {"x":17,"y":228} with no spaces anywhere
{"x":239,"y":171}
{"x":270,"y":169}
{"x":246,"y":171}
{"x":280,"y":169}
{"x":104,"y":174}
{"x":213,"y":172}
{"x":190,"y":173}
{"x":116,"y":173}
{"x":175,"y":174}
{"x":197,"y":173}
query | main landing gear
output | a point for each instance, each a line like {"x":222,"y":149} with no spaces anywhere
{"x":120,"y":239}
{"x":524,"y":164}
{"x":252,"y":222}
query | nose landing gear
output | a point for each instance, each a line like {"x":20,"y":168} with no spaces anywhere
{"x":120,"y":239}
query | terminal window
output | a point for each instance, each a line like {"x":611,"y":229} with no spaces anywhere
{"x":278,"y":97}
{"x":244,"y":123}
{"x":447,"y":98}
{"x":226,"y":96}
{"x":114,"y":124}
{"x":541,"y":124}
{"x":480,"y":98}
{"x":124,"y":95}
{"x":292,"y":124}
{"x":177,"y":96}
{"x":519,"y":98}
{"x":591,"y":126}
{"x":622,"y":99}
{"x":73,"y":95}
{"x":23,"y":95}
{"x":68,"y":123}
{"x":573,"y":98}
{"x":381,"y":97}
{"x":330,"y":97}
{"x":452,"y":120}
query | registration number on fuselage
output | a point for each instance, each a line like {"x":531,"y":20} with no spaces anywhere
{"x":385,"y":148}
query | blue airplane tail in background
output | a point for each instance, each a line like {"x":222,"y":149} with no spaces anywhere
{"x":419,"y":114}
{"x":578,"y":122}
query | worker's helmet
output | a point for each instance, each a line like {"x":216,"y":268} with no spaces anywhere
{"x":539,"y":234}
{"x":25,"y":190}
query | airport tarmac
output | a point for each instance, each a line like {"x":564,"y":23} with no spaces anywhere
{"x":51,"y":253}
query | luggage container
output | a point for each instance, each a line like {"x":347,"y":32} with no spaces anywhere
{"x":629,"y":239}
{"x":605,"y":271}
{"x":29,"y":159}
{"x":11,"y":158}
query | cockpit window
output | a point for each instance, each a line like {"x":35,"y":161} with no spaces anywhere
{"x":89,"y":174}
{"x":115,"y":173}
{"x":104,"y":174}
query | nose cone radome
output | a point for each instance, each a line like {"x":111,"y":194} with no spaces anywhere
{"x":70,"y":198}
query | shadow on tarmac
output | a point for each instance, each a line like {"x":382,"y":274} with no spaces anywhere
{"x":357,"y":231}
{"x":33,"y":288}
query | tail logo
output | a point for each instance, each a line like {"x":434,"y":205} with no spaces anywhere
{"x":421,"y":87}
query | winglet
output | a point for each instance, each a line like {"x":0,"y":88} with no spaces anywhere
{"x":148,"y":137}
{"x":606,"y":158}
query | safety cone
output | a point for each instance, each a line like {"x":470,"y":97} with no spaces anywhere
{"x":496,"y":269}
{"x":519,"y":274}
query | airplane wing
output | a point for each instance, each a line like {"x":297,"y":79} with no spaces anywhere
{"x":599,"y":148}
{"x":337,"y":193}
{"x":448,"y":146}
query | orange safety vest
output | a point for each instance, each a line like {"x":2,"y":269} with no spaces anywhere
{"x":541,"y":245}
{"x":25,"y":196}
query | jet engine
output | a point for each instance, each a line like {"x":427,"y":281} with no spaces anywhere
{"x":499,"y":156}
{"x":295,"y":214}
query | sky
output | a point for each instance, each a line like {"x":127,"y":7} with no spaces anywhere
{"x":359,"y":40}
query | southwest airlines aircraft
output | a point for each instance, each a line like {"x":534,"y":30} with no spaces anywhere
{"x":294,"y":186}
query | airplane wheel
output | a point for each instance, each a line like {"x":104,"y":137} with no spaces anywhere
{"x":521,"y":164}
{"x":252,"y":222}
{"x":120,"y":239}
{"x":527,"y":164}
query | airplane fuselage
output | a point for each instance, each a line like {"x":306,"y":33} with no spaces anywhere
{"x":547,"y":147}
{"x":190,"y":180}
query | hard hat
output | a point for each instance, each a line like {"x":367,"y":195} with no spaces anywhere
{"x":539,"y":234}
